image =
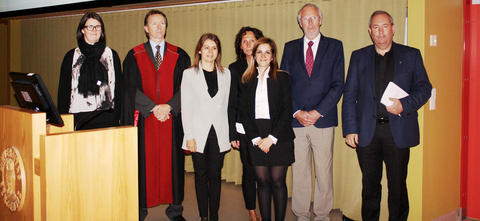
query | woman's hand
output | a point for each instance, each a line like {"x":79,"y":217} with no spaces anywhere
{"x":235,"y":144}
{"x":265,"y":144}
{"x":192,"y":145}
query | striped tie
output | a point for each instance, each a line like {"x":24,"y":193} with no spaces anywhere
{"x":158,"y":58}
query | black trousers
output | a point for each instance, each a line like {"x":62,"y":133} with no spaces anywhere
{"x":208,"y":170}
{"x":249,"y":184}
{"x":371,"y":158}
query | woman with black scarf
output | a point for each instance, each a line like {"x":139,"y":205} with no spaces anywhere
{"x":89,"y":85}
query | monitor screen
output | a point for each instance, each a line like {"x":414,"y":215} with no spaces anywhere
{"x":31,"y":93}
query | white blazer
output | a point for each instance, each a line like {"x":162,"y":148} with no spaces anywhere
{"x":200,"y":111}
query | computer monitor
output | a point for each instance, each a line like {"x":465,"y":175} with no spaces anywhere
{"x":31,"y":93}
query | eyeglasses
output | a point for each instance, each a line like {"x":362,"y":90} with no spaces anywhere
{"x":313,"y":18}
{"x":93,"y":27}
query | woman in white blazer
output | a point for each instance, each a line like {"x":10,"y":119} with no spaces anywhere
{"x":205,"y":94}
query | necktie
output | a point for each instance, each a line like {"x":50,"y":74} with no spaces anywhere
{"x":158,"y":57}
{"x":309,"y":58}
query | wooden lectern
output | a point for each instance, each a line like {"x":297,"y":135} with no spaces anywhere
{"x":55,"y":173}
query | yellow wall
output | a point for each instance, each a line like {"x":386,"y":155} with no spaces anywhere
{"x":416,"y":29}
{"x":434,"y":170}
{"x":442,"y":127}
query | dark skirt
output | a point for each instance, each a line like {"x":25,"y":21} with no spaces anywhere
{"x":280,"y":154}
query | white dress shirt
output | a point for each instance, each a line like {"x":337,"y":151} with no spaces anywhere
{"x":261,"y":96}
{"x":262,"y":109}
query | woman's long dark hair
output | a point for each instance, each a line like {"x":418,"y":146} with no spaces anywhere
{"x":238,"y":40}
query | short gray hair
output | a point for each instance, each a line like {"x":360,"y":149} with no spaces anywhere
{"x":299,"y":16}
{"x":380,"y":12}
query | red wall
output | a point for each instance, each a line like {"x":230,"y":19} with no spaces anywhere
{"x":471,"y":113}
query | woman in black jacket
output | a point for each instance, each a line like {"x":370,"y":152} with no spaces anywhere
{"x":244,"y":42}
{"x":89,"y":85}
{"x":266,"y":110}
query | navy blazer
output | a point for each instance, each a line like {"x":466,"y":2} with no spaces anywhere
{"x":360,"y":99}
{"x":323,"y":89}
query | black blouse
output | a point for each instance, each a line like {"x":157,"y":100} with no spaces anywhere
{"x":212,"y":83}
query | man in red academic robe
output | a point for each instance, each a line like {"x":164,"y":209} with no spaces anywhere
{"x":152,"y":76}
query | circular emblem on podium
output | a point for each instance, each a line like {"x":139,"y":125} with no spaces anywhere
{"x":12,"y":179}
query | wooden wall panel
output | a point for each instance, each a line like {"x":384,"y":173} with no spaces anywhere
{"x":4,"y":64}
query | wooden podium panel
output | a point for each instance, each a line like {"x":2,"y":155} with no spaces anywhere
{"x":55,"y":173}
{"x":68,"y":125}
{"x":90,"y":175}
{"x":21,"y":129}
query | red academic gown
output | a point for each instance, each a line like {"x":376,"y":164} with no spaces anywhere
{"x":160,"y":157}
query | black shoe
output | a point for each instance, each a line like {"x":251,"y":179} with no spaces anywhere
{"x":204,"y":219}
{"x":177,"y":218}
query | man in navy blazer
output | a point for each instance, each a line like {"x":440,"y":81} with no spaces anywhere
{"x":316,"y":66}
{"x":382,"y":133}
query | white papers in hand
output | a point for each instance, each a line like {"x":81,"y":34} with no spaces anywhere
{"x":392,"y":91}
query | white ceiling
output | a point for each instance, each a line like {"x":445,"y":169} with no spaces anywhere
{"x":14,"y":5}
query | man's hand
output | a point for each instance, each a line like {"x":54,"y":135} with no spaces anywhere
{"x":304,"y":118}
{"x":307,"y":118}
{"x":314,"y":116}
{"x":191,"y":145}
{"x":396,"y":108}
{"x":235,"y":144}
{"x":352,"y":140}
{"x":265,"y":144}
{"x":162,"y":112}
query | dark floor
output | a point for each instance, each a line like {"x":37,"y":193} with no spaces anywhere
{"x":232,"y":207}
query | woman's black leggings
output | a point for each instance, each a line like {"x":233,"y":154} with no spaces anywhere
{"x":271,"y":181}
